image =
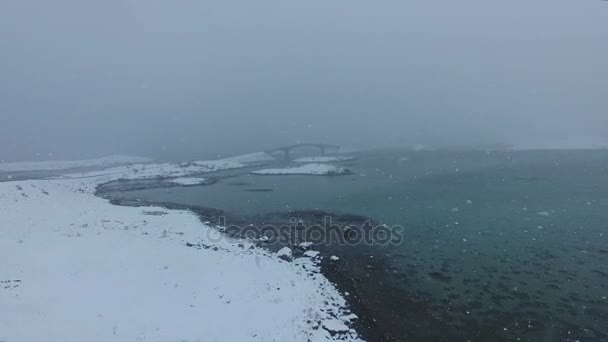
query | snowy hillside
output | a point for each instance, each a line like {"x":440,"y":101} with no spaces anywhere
{"x":75,"y":268}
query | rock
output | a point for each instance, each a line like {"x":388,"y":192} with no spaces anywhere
{"x":305,"y":245}
{"x":311,"y":254}
{"x":285,"y":254}
{"x":335,"y":326}
{"x":349,"y":318}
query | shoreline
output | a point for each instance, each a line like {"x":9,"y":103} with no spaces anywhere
{"x":351,"y":274}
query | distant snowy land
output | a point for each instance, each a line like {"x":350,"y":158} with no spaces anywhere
{"x":308,"y":169}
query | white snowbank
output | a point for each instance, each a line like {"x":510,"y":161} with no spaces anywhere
{"x":326,"y":159}
{"x":256,"y":157}
{"x":77,"y":268}
{"x":308,"y":169}
{"x":188,"y":181}
{"x":51,"y":165}
{"x":335,"y":326}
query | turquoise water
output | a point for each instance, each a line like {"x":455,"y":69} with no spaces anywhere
{"x":516,"y":239}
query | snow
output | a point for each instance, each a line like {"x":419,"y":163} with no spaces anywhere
{"x":256,"y":157}
{"x":323,"y":159}
{"x":284,"y":253}
{"x":50,"y":165}
{"x":334,"y":258}
{"x":139,"y":171}
{"x":188,"y":181}
{"x":311,"y":254}
{"x":308,"y":169}
{"x":335,"y":326}
{"x":349,"y":318}
{"x":77,"y":268}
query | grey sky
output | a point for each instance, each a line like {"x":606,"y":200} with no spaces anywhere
{"x":187,"y":78}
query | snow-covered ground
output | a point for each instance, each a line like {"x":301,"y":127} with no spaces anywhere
{"x":325,"y":159}
{"x":308,"y":169}
{"x":51,"y":165}
{"x":188,"y":181}
{"x":139,"y":171}
{"x":76,"y":268}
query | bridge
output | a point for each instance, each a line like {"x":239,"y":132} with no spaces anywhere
{"x":323,"y":148}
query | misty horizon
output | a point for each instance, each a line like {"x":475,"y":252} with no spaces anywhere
{"x":188,"y":79}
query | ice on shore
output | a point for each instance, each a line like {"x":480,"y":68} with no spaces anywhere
{"x":308,"y":169}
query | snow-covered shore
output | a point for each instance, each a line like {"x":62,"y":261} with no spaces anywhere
{"x":76,"y":268}
{"x":188,"y":181}
{"x":140,"y":171}
{"x":308,"y":169}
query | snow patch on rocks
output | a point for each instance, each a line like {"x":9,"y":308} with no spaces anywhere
{"x":311,"y":254}
{"x":188,"y":181}
{"x":285,"y":253}
{"x":335,"y":326}
{"x":305,"y":245}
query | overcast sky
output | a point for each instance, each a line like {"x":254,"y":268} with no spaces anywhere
{"x":186,"y":78}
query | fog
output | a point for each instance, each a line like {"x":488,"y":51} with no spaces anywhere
{"x":190,"y":79}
